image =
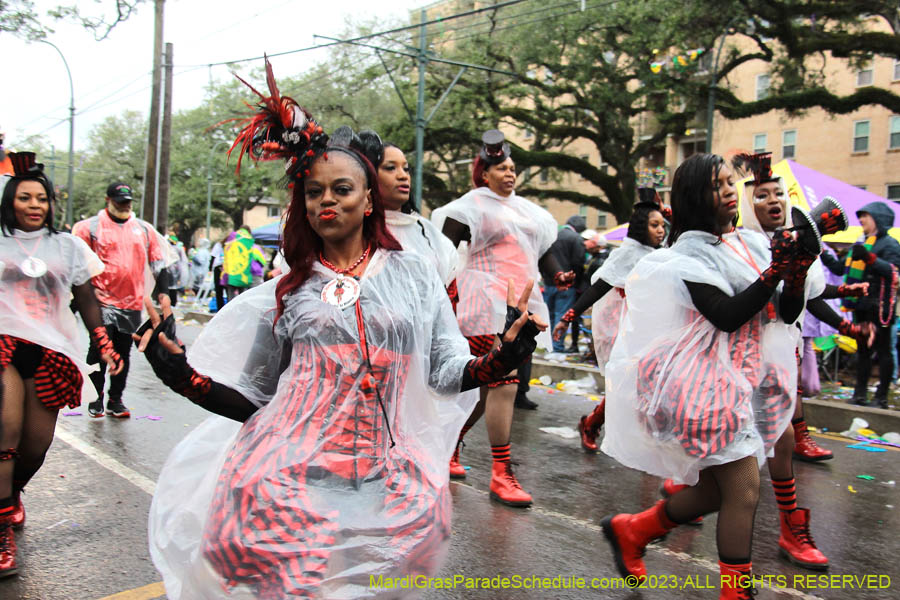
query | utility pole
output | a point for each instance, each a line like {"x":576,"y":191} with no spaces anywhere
{"x":150,"y":173}
{"x":422,"y":59}
{"x":162,"y":212}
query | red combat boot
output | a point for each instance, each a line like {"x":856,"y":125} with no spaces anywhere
{"x":796,"y":543}
{"x":736,"y":582}
{"x":505,"y":487}
{"x":806,"y":448}
{"x":457,"y":471}
{"x":7,"y":549}
{"x":17,"y":519}
{"x":628,"y":535}
{"x":589,"y":427}
{"x":669,"y":488}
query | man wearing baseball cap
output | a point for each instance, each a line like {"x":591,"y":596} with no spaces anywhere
{"x":126,"y":245}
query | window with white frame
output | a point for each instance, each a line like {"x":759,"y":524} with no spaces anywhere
{"x":893,"y":192}
{"x":896,"y":70}
{"x":601,"y":221}
{"x":865,"y":76}
{"x":861,"y":136}
{"x":545,"y":175}
{"x":789,"y":144}
{"x":762,"y":86}
{"x":273,"y":211}
{"x":894,"y":139}
{"x":586,"y":159}
{"x":528,"y":134}
{"x":760,"y":141}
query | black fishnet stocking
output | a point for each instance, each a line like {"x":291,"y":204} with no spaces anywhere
{"x":731,"y":489}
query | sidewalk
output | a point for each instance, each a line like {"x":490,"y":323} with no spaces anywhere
{"x":823,"y":412}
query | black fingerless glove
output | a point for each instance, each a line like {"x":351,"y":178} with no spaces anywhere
{"x":172,"y":369}
{"x":497,"y":363}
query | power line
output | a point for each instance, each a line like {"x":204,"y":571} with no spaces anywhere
{"x":371,"y":35}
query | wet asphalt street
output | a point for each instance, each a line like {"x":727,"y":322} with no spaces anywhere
{"x":85,"y":537}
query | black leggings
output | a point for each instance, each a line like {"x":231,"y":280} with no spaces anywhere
{"x":122,"y":343}
{"x":882,"y":346}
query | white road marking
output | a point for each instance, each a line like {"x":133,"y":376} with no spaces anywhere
{"x":681,"y":556}
{"x":106,"y":461}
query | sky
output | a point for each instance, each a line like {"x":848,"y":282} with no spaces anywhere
{"x":115,"y":74}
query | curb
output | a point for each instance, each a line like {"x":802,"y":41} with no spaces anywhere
{"x":200,"y":317}
{"x":823,"y":414}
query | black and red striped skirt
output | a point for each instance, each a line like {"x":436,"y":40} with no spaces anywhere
{"x":56,"y":378}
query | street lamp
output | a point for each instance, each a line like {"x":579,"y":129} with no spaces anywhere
{"x":71,"y":183}
{"x":209,"y":184}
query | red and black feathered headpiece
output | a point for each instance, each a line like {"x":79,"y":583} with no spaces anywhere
{"x":280,"y":129}
{"x":757,"y":165}
{"x":25,"y":166}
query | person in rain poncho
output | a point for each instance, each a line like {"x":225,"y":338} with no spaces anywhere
{"x":702,"y":376}
{"x":646,"y":231}
{"x":127,"y":246}
{"x":506,"y":237}
{"x":348,"y":397}
{"x":764,"y":209}
{"x":40,"y":353}
{"x":200,"y":264}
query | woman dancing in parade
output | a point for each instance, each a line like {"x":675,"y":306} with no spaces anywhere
{"x":646,"y":232}
{"x":414,"y":232}
{"x":348,"y":394}
{"x":40,"y":356}
{"x":764,"y":209}
{"x":506,"y":236}
{"x":701,"y":384}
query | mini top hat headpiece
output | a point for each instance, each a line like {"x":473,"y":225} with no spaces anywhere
{"x":495,"y":149}
{"x":757,"y":165}
{"x":24,"y":165}
{"x":280,"y":129}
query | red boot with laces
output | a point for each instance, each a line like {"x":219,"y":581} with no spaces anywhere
{"x":457,"y":471}
{"x":806,"y":448}
{"x":505,"y":487}
{"x":628,"y":535}
{"x":7,"y":549}
{"x":589,"y":427}
{"x":736,"y":582}
{"x":796,"y":543}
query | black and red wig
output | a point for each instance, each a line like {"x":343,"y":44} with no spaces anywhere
{"x":281,"y":129}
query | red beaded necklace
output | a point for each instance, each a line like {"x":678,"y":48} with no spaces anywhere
{"x":349,"y":269}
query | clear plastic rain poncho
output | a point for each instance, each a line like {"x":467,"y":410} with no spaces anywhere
{"x":417,"y":234}
{"x":607,"y":312}
{"x":509,"y":236}
{"x":36,"y":307}
{"x":308,"y":498}
{"x":127,"y":250}
{"x":683,"y":395}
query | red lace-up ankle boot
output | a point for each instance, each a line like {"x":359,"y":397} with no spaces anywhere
{"x":796,"y":543}
{"x":736,"y":581}
{"x":806,"y":448}
{"x":589,"y":427}
{"x":505,"y":487}
{"x":7,"y":539}
{"x":17,"y":519}
{"x":457,"y":471}
{"x":669,"y":488}
{"x":628,"y":535}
